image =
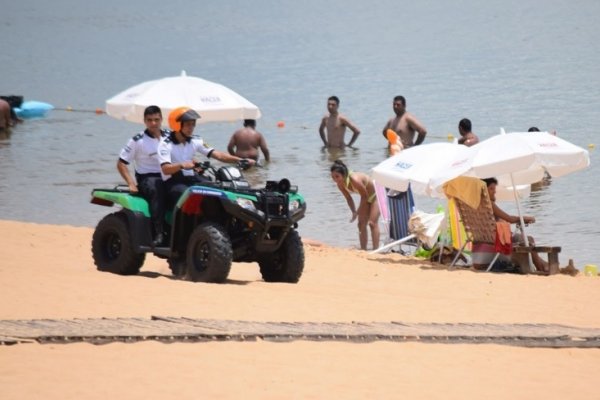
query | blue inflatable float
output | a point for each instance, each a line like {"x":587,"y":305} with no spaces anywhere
{"x":33,"y":109}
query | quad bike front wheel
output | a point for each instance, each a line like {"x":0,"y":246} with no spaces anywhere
{"x":209,"y":254}
{"x":286,"y":264}
{"x":112,"y":247}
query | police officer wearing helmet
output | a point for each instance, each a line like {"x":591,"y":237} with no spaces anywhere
{"x":176,"y":153}
{"x":142,"y":151}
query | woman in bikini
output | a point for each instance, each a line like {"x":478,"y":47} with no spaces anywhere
{"x":368,"y":210}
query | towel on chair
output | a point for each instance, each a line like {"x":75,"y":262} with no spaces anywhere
{"x":457,"y":228}
{"x":465,"y":188}
{"x":503,"y":238}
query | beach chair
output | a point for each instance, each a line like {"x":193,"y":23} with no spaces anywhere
{"x":458,"y":236}
{"x":481,"y":227}
{"x":395,"y":209}
{"x":454,"y":243}
{"x":402,"y":205}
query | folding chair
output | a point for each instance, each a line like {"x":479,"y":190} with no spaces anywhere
{"x":480,"y":227}
{"x":457,"y":234}
{"x":395,"y":209}
{"x":453,"y":239}
{"x":402,"y":205}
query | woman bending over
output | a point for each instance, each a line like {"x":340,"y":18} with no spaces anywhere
{"x":368,"y":211}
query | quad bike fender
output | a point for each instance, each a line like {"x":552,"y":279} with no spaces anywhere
{"x":140,"y":228}
{"x":110,"y":197}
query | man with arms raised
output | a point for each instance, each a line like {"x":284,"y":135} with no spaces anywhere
{"x":335,"y":124}
{"x":405,"y":125}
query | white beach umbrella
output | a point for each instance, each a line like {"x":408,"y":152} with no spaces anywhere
{"x":214,"y":102}
{"x":520,"y":158}
{"x":428,"y":166}
{"x":517,"y":160}
{"x":419,"y":166}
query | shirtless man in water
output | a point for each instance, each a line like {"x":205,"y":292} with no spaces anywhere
{"x":335,"y":124}
{"x":405,"y":125}
{"x":5,"y":118}
{"x":246,"y":142}
{"x":467,"y":137}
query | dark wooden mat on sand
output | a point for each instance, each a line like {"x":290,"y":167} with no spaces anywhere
{"x":171,"y":329}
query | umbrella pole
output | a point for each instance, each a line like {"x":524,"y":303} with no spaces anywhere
{"x":521,"y":220}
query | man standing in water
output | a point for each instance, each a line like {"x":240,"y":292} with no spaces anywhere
{"x":405,"y":125}
{"x":467,"y":137}
{"x":5,"y":118}
{"x":246,"y":142}
{"x":335,"y":124}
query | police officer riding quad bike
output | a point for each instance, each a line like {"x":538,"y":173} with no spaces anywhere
{"x":215,"y":222}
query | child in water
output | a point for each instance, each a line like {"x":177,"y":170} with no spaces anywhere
{"x":368,"y":211}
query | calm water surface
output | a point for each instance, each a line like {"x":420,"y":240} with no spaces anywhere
{"x":510,"y":64}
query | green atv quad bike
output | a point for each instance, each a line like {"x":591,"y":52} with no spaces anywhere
{"x":214,"y":223}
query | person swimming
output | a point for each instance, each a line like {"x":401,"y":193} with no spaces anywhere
{"x":368,"y":211}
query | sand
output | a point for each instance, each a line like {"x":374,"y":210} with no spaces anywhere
{"x":47,"y":272}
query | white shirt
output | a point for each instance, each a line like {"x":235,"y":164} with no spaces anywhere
{"x":171,"y":151}
{"x":142,"y":150}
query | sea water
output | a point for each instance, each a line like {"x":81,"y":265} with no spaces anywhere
{"x":511,"y":64}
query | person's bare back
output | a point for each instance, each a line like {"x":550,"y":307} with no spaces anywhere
{"x":246,"y":143}
{"x":5,"y":119}
{"x":467,"y":137}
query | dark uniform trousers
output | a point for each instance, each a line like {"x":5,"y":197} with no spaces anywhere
{"x":178,"y":183}
{"x":152,"y":188}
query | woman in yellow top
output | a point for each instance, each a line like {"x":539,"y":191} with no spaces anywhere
{"x":368,"y":210}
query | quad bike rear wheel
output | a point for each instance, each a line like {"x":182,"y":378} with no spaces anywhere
{"x":112,"y":247}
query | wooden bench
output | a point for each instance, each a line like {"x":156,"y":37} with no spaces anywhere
{"x":521,"y":256}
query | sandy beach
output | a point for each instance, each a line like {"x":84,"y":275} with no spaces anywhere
{"x":47,"y":272}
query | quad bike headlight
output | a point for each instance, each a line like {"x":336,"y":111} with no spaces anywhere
{"x":246,"y":203}
{"x":294,"y":205}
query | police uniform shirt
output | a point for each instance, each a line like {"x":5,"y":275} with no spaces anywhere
{"x":142,"y":149}
{"x":171,"y":151}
